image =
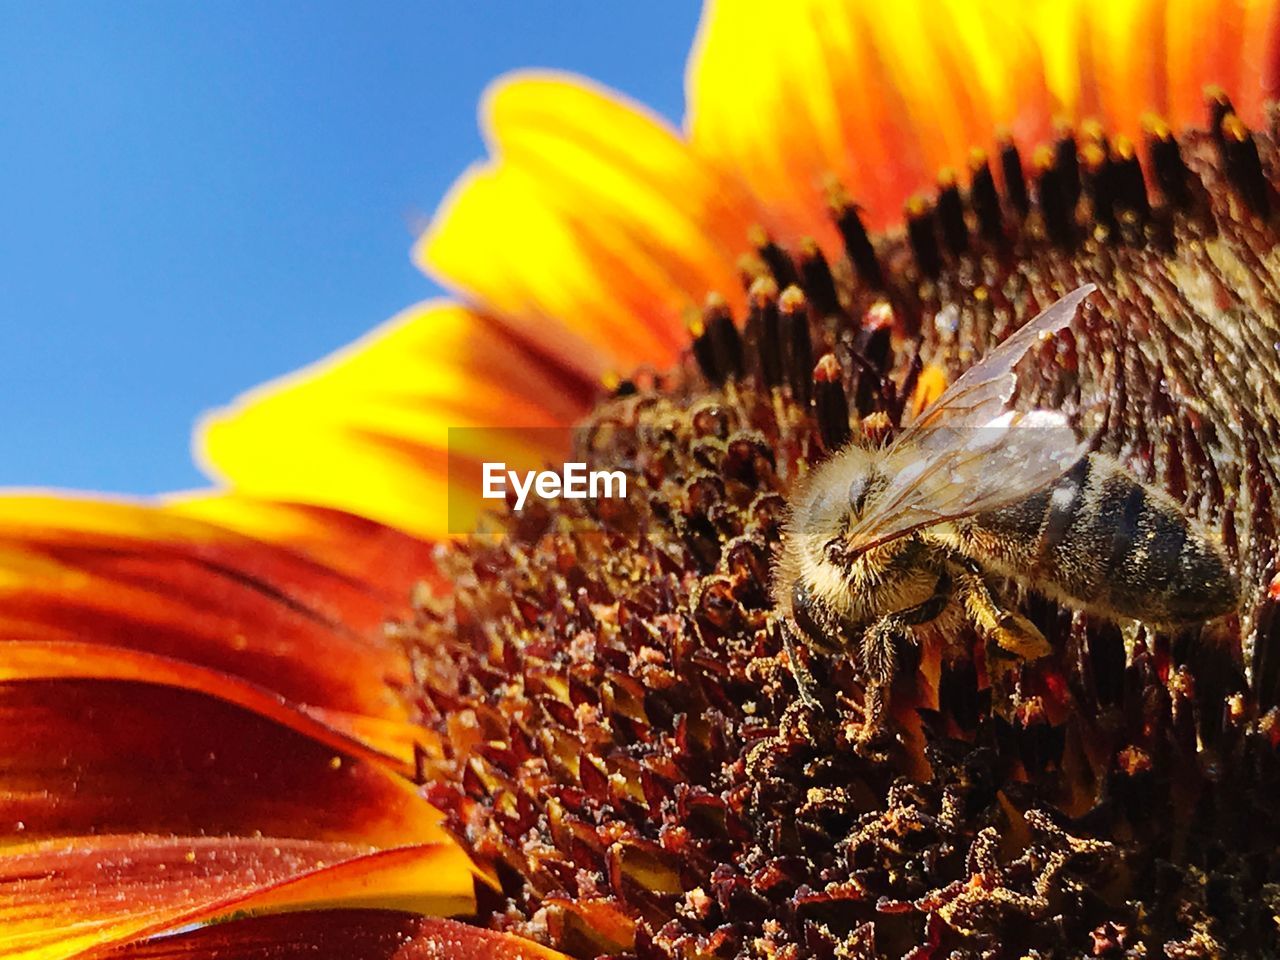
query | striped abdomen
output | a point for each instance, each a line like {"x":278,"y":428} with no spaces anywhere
{"x":1100,"y":539}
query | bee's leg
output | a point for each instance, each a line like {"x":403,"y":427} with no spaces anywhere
{"x":1010,"y":630}
{"x":878,"y":663}
{"x":877,"y":649}
{"x":805,"y":683}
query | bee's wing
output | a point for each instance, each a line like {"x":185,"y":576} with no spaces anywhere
{"x":981,"y":392}
{"x":966,"y":453}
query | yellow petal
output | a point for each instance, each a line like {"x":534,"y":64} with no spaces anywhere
{"x":884,"y":96}
{"x":1116,"y":60}
{"x":591,"y":224}
{"x":880,"y":96}
{"x":366,"y":431}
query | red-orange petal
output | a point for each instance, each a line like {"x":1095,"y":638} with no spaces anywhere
{"x":885,"y":96}
{"x":592,"y":229}
{"x":111,"y":756}
{"x":139,"y":578}
{"x":339,"y":935}
{"x":88,"y":893}
{"x":390,"y":562}
{"x":367,"y":431}
{"x":388,"y":741}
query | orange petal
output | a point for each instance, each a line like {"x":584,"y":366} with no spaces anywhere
{"x":883,"y":97}
{"x":127,"y":576}
{"x":59,"y":897}
{"x":592,"y":230}
{"x":366,"y":431}
{"x":929,"y":387}
{"x":388,"y":560}
{"x":390,"y":742}
{"x":1116,"y":60}
{"x":340,"y":935}
{"x":111,"y":756}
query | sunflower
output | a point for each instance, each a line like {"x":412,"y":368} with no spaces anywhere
{"x":295,"y":706}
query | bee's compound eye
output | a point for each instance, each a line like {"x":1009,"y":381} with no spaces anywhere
{"x":858,"y":491}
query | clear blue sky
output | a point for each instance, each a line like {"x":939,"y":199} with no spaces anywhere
{"x":195,"y":197}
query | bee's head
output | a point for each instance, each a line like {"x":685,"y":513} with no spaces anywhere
{"x":839,"y":494}
{"x":840,"y":497}
{"x":864,"y":488}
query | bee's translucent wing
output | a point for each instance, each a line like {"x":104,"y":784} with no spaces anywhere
{"x":981,"y":392}
{"x":967,"y":453}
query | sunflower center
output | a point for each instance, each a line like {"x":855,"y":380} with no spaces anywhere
{"x":621,"y":737}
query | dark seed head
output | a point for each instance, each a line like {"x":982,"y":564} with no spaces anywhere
{"x":794,"y":321}
{"x":984,"y":199}
{"x":766,"y":328}
{"x":830,"y":403}
{"x":1015,"y":184}
{"x":857,"y":243}
{"x":922,"y":234}
{"x":955,"y":232}
{"x":620,"y":735}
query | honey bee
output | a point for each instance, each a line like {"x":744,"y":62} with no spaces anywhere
{"x":882,"y":541}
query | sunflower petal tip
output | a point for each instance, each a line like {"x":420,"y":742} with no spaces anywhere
{"x":425,"y":253}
